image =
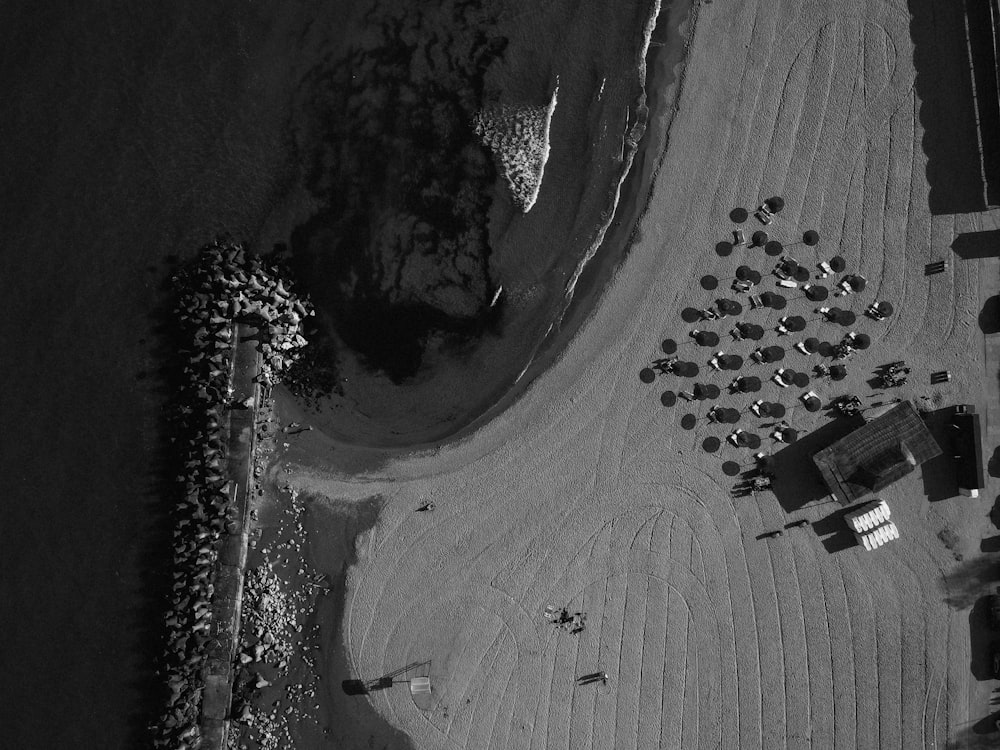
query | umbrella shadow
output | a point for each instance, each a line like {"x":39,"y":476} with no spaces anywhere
{"x":939,"y":475}
{"x":797,"y":481}
{"x":989,"y":316}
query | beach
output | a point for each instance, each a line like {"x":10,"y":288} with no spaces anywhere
{"x":587,"y":493}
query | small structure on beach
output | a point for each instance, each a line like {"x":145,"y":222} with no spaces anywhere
{"x":967,"y":450}
{"x":881,"y":452}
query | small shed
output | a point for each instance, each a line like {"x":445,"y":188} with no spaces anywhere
{"x":967,"y":450}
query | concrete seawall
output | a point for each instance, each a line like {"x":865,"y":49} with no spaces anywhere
{"x":228,"y":597}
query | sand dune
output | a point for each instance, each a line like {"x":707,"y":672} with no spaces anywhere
{"x":587,"y":493}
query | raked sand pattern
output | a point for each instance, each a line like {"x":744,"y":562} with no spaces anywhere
{"x":587,"y":493}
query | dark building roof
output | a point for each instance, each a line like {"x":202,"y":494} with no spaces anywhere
{"x":967,"y":449}
{"x":877,"y":454}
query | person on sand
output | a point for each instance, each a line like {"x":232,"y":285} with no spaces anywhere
{"x":426,"y":506}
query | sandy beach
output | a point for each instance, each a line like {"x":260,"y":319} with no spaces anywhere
{"x":587,"y":493}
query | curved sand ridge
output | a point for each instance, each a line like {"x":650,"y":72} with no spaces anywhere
{"x":587,"y":493}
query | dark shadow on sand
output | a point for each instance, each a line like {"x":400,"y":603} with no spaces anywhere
{"x":989,"y":316}
{"x":940,"y":479}
{"x":975,"y":245}
{"x":980,"y":642}
{"x":797,"y":481}
{"x":944,"y":89}
{"x":833,"y":530}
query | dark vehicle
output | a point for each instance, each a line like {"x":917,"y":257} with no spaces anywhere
{"x":799,"y":524}
{"x":773,"y":534}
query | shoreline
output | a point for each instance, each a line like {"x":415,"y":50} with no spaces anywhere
{"x":654,"y":109}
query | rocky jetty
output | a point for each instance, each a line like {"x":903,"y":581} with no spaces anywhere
{"x":222,"y":287}
{"x":518,"y":136}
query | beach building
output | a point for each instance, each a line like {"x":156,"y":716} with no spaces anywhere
{"x":889,"y":446}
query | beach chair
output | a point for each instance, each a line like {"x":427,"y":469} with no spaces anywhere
{"x":741,"y":286}
{"x":825,"y":268}
{"x":763,"y":216}
{"x":738,"y":237}
{"x":734,"y":437}
{"x":755,"y":407}
{"x":755,"y":301}
{"x":801,"y":346}
{"x":788,"y":283}
{"x":551,"y":611}
{"x":778,"y":378}
{"x":758,"y":356}
{"x":420,"y":685}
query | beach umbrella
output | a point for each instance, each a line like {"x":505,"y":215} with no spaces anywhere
{"x":775,"y":204}
{"x":754,"y":277}
{"x":856,"y":282}
{"x":788,"y":266}
{"x":743,"y":439}
{"x":812,"y":403}
{"x":712,"y":390}
{"x":688,"y":421}
{"x":748,"y":384}
{"x":700,"y":392}
{"x":739,"y":215}
{"x":729,"y":307}
{"x":811,"y":237}
{"x":801,"y":274}
{"x":768,"y":298}
{"x":817,"y":292}
{"x":753,"y":331}
{"x":743,"y":273}
{"x":711,"y":444}
{"x":862,"y":341}
{"x":789,"y":435}
{"x":773,"y":248}
{"x":795,"y":323}
{"x":686,"y":369}
{"x":838,"y":372}
{"x":774,"y":353}
{"x":709,"y":282}
{"x":825,"y":349}
{"x":731,"y":361}
{"x":765,"y":408}
{"x":730,"y":468}
{"x":668,"y":346}
{"x":646,"y":375}
{"x":753,"y":440}
{"x":837,"y":263}
{"x":707,"y":338}
{"x":846,"y":318}
{"x":800,"y":379}
{"x":690,"y":314}
{"x":723,"y":249}
{"x":777,"y":410}
{"x":759,"y":238}
{"x":730,"y":416}
{"x":884,"y":308}
{"x":811,"y":344}
{"x":778,"y":302}
{"x":668,"y":398}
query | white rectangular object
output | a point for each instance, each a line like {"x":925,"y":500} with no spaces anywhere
{"x":420,"y":685}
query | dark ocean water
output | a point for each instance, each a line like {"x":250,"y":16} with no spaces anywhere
{"x":125,"y":136}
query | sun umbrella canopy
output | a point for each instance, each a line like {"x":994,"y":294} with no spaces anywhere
{"x":795,"y":323}
{"x":700,"y":392}
{"x":668,"y":398}
{"x":711,"y":444}
{"x":743,"y":273}
{"x":646,"y":375}
{"x":811,"y":237}
{"x":730,"y":307}
{"x":838,"y":372}
{"x":754,"y":277}
{"x":862,"y":341}
{"x":789,"y":435}
{"x":801,"y":274}
{"x":856,"y":282}
{"x":709,"y":282}
{"x":775,"y":204}
{"x":688,"y":421}
{"x":846,"y":318}
{"x":743,"y":439}
{"x":788,"y":266}
{"x":731,"y":416}
{"x":765,"y":408}
{"x":731,"y":361}
{"x":723,"y":249}
{"x":811,"y":344}
{"x":752,"y":440}
{"x":730,"y":468}
{"x":739,"y":215}
{"x":712,"y":390}
{"x":800,"y":379}
{"x":686,"y":369}
{"x":753,"y":331}
{"x":817,"y":292}
{"x":690,"y":314}
{"x":884,"y":308}
{"x":777,"y":410}
{"x":812,"y":403}
{"x":773,"y":248}
{"x":748,"y":384}
{"x":825,"y":349}
{"x":759,"y":238}
{"x":773,"y":353}
{"x":707,"y":338}
{"x":837,"y":263}
{"x":668,"y":346}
